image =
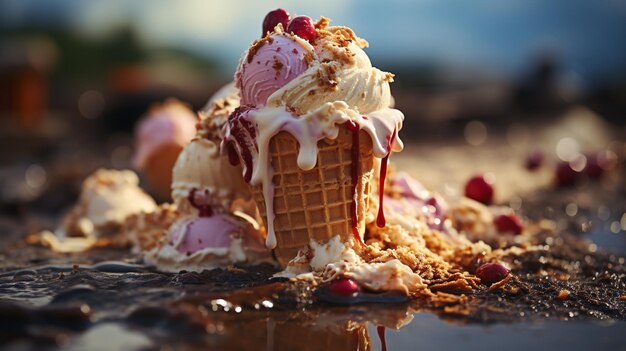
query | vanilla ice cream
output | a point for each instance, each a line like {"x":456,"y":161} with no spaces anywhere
{"x":107,"y":198}
{"x":200,"y":166}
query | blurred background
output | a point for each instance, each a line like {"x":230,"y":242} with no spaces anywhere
{"x":482,"y":75}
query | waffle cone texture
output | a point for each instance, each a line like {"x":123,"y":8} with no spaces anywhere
{"x":317,"y":204}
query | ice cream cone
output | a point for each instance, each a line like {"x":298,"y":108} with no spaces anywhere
{"x":317,"y":204}
{"x":158,"y":170}
{"x":159,"y":137}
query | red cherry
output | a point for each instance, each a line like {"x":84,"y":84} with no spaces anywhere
{"x":343,"y":287}
{"x":534,"y":160}
{"x":565,"y":175}
{"x":480,"y":189}
{"x":303,"y":27}
{"x":273,"y":18}
{"x":491,"y":273}
{"x":508,"y":223}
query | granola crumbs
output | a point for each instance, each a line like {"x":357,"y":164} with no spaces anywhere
{"x":563,"y":294}
{"x":257,"y":45}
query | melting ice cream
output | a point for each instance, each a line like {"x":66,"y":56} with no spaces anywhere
{"x":339,"y":88}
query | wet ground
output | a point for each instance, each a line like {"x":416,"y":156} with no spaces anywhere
{"x":105,"y":299}
{"x":97,"y":301}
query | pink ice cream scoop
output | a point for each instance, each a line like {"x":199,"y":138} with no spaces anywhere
{"x":268,"y":66}
{"x":205,"y":232}
{"x":208,"y":230}
{"x":169,"y":124}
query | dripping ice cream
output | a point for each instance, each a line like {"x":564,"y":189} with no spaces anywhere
{"x":313,"y":117}
{"x":294,"y":156}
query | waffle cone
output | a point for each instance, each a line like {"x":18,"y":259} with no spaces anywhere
{"x":316,"y":204}
{"x":158,"y":170}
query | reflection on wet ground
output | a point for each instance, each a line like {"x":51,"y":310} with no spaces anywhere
{"x":427,"y":332}
{"x":263,"y":318}
{"x":123,"y":305}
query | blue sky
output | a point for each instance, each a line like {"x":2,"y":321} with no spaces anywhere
{"x":502,"y":35}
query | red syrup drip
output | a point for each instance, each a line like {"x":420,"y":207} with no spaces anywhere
{"x":381,"y":335}
{"x":355,"y":129}
{"x":242,"y":131}
{"x":233,"y":158}
{"x":204,"y":210}
{"x":380,"y":219}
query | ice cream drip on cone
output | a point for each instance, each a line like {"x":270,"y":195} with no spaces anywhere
{"x":321,"y":202}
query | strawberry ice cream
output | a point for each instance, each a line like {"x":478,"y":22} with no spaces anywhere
{"x":208,"y":239}
{"x":269,"y":65}
{"x":204,"y":232}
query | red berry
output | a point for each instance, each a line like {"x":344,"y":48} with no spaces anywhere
{"x":491,"y":273}
{"x":343,"y":287}
{"x":599,"y":163}
{"x":534,"y":160}
{"x":565,"y":175}
{"x":508,"y":223}
{"x":480,"y":189}
{"x":273,"y":18}
{"x":593,"y":169}
{"x":303,"y":27}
